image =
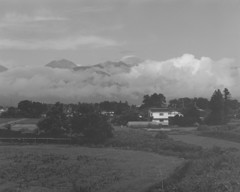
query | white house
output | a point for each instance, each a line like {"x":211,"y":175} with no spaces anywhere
{"x":161,"y":115}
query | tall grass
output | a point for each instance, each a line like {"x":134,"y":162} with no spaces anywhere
{"x":143,"y":141}
{"x":214,"y":171}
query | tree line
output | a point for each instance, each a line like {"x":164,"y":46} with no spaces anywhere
{"x":87,"y":120}
{"x":218,"y":110}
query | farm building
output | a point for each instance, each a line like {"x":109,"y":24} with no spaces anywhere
{"x":161,"y":115}
{"x":108,"y":113}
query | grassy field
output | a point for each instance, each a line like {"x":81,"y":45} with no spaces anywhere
{"x":133,"y":160}
{"x":205,"y":142}
{"x":216,"y":168}
{"x":73,"y":168}
{"x":6,"y":120}
{"x":29,"y":121}
{"x":19,"y":120}
{"x":108,"y":169}
{"x":136,"y":139}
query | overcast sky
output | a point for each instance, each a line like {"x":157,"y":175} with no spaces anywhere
{"x":187,"y":48}
{"x":34,"y":32}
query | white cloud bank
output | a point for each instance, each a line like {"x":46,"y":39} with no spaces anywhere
{"x":177,"y":77}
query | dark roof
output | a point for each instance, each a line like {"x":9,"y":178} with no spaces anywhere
{"x":161,"y":110}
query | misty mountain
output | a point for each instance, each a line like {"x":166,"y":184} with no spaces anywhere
{"x":2,"y":68}
{"x":61,"y":64}
{"x":128,"y":79}
{"x":132,"y":60}
{"x":106,"y":68}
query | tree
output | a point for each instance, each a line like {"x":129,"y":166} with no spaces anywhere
{"x":155,"y":100}
{"x":217,"y":109}
{"x":181,"y":103}
{"x":227,"y":94}
{"x":11,"y":112}
{"x":56,"y":123}
{"x":201,"y":103}
{"x":93,"y":126}
{"x":31,"y":109}
{"x":190,"y":116}
{"x":124,"y":118}
{"x":84,"y":108}
{"x":25,"y":107}
{"x":117,"y":107}
{"x":227,"y":100}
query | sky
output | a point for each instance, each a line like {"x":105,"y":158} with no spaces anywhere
{"x":87,"y":32}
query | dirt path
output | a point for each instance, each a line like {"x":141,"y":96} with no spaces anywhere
{"x":134,"y":170}
{"x":205,"y":142}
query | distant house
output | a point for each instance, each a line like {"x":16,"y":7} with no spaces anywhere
{"x":108,"y":113}
{"x":2,"y":110}
{"x":161,"y":115}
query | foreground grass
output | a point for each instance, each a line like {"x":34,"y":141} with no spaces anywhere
{"x":46,"y":168}
{"x":81,"y":169}
{"x":214,"y":171}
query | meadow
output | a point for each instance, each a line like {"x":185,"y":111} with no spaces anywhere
{"x":7,"y":120}
{"x":59,"y":168}
{"x":19,"y":120}
{"x":133,"y":160}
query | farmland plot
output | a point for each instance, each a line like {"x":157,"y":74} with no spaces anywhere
{"x":73,"y":168}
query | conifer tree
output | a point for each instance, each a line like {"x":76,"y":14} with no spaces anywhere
{"x":217,"y":109}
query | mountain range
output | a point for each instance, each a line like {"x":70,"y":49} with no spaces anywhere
{"x":107,"y":68}
{"x":127,"y":79}
{"x":61,"y":64}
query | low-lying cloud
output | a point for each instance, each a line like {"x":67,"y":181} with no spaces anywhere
{"x":177,"y":77}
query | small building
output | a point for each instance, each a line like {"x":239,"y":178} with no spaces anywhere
{"x":108,"y":113}
{"x":161,"y":115}
{"x":2,"y":110}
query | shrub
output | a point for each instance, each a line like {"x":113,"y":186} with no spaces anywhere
{"x":94,"y":127}
{"x":123,"y":119}
{"x":50,"y":127}
{"x":56,"y":123}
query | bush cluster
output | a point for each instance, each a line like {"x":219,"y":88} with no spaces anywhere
{"x":91,"y":125}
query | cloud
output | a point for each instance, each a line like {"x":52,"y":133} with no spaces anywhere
{"x":183,"y":76}
{"x":15,"y":19}
{"x":57,"y":44}
{"x":44,"y":29}
{"x":176,"y":77}
{"x":131,"y":60}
